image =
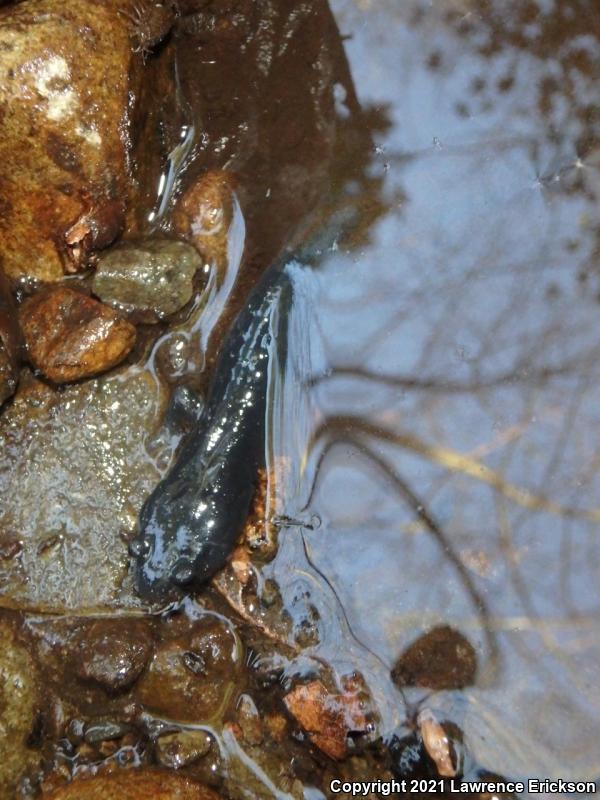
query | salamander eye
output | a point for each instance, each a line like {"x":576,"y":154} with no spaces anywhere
{"x":139,"y":547}
{"x":183,"y":572}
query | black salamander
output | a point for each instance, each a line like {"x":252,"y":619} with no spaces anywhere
{"x":190,"y":523}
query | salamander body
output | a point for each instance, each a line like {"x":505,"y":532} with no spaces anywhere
{"x":192,"y":520}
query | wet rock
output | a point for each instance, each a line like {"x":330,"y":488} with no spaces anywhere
{"x":436,"y":743}
{"x":150,"y":278}
{"x":111,"y":653}
{"x":249,"y":720}
{"x":328,"y":718}
{"x":71,"y":336}
{"x":63,"y":159}
{"x":10,"y":341}
{"x":18,"y":705}
{"x":192,"y":676}
{"x":440,"y":659}
{"x":74,"y":474}
{"x":134,"y":785}
{"x":203,"y":215}
{"x":104,"y":730}
{"x":176,"y":750}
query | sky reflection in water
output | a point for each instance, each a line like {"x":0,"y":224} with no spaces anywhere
{"x":476,"y":296}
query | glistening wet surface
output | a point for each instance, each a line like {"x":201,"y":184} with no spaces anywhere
{"x":451,"y":381}
{"x":423,"y":543}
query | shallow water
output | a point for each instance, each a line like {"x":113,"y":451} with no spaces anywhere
{"x":452,"y":378}
{"x":432,"y":411}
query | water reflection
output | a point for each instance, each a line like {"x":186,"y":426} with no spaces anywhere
{"x":451,"y":388}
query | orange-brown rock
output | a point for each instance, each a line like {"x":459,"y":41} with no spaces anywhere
{"x":71,"y":336}
{"x":134,"y":785}
{"x":204,"y":215}
{"x":327,"y":718}
{"x":66,"y":70}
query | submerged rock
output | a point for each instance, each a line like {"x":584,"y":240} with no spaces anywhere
{"x":18,"y":707}
{"x":151,"y":278}
{"x":134,"y":784}
{"x":71,"y":336}
{"x":176,"y":750}
{"x":192,"y":676}
{"x":65,"y":94}
{"x":328,"y":718}
{"x":74,"y":473}
{"x":440,"y":659}
{"x":110,"y":653}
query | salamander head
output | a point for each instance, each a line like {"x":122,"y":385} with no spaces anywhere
{"x":176,"y":550}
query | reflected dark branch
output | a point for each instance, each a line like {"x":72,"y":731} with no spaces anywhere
{"x":450,"y":460}
{"x":443,"y":385}
{"x":418,"y":507}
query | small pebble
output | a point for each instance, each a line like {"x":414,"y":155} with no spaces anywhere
{"x":176,"y":750}
{"x":204,"y":215}
{"x":104,"y":731}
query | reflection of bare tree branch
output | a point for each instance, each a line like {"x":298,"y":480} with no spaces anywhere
{"x":443,"y":385}
{"x":452,"y":460}
{"x":419,"y":509}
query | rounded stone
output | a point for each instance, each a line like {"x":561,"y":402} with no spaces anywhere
{"x":192,"y":676}
{"x":112,"y":654}
{"x":133,"y":784}
{"x":150,"y":278}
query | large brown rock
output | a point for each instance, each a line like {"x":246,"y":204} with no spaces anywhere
{"x":134,"y":785}
{"x":71,"y":336}
{"x":64,"y":132}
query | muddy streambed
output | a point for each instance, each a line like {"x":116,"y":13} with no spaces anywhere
{"x":410,"y":491}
